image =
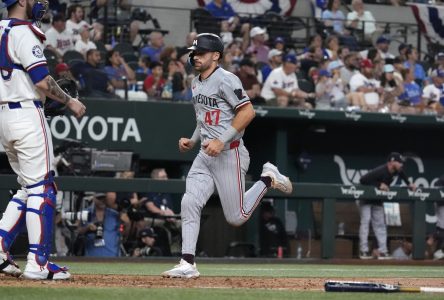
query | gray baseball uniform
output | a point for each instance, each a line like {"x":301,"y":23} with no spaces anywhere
{"x":216,"y":100}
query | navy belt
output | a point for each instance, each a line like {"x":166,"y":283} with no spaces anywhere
{"x":15,"y":105}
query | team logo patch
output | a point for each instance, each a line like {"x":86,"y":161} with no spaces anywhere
{"x":37,"y":51}
{"x":238,"y":93}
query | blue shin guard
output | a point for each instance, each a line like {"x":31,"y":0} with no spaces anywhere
{"x":46,"y":210}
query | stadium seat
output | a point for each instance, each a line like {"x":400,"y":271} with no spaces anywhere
{"x":129,"y":57}
{"x":204,"y":22}
{"x":72,"y":55}
{"x":124,"y":48}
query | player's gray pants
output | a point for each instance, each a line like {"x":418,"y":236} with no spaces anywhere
{"x":375,"y":213}
{"x":226,"y":173}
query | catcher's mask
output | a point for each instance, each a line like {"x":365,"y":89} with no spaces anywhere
{"x":56,"y":108}
{"x":38,"y":10}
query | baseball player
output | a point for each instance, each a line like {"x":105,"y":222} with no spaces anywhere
{"x":25,"y":135}
{"x":223,"y":111}
{"x":381,"y":177}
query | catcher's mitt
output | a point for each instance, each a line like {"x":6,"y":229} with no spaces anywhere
{"x":55,"y":108}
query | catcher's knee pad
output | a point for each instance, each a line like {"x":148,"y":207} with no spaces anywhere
{"x":42,"y":201}
{"x":13,"y":219}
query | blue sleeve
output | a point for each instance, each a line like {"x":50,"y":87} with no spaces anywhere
{"x":38,"y":72}
{"x":326,"y":14}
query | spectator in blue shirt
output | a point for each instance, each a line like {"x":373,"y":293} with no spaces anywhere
{"x":220,"y":9}
{"x":155,"y":46}
{"x":411,"y":62}
{"x":332,"y":16}
{"x":117,"y":68}
{"x":410,"y":99}
{"x":102,"y":236}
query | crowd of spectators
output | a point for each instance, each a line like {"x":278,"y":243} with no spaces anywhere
{"x":333,"y":72}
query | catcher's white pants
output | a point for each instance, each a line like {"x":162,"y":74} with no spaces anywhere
{"x":26,"y":138}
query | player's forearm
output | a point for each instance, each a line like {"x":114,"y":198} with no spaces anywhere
{"x":244,"y":116}
{"x":196,"y":134}
{"x":52,"y":90}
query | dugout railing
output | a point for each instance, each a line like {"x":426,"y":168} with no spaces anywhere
{"x":328,"y":194}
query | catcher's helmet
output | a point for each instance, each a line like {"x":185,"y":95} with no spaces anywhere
{"x":206,"y":42}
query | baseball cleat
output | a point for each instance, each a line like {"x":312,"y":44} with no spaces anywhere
{"x":278,"y":181}
{"x":439,"y":254}
{"x":50,"y":271}
{"x":182,"y":270}
{"x":8,"y":266}
{"x":365,"y":255}
{"x":383,"y":256}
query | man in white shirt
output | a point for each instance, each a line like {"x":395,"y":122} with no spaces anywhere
{"x":433,"y":94}
{"x":282,"y":85}
{"x":383,"y":44}
{"x":84,"y":44}
{"x":364,"y":82}
{"x":75,"y":21}
{"x":58,"y":39}
{"x":361,"y":19}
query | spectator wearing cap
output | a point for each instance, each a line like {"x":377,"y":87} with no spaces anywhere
{"x":361,"y":19}
{"x":364,"y":82}
{"x":393,"y":86}
{"x":282,"y":87}
{"x":323,"y":89}
{"x":146,"y":244}
{"x":274,"y":61}
{"x":247,"y":75}
{"x":257,"y":45}
{"x":412,"y":64}
{"x":433,"y":94}
{"x":58,"y":39}
{"x":84,"y":44}
{"x":62,"y":70}
{"x":279,"y":43}
{"x":102,"y":236}
{"x":372,"y":210}
{"x":383,"y":44}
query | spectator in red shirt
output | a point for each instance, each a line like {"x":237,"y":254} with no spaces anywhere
{"x":154,"y":83}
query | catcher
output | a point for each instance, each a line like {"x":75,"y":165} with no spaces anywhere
{"x":25,"y":135}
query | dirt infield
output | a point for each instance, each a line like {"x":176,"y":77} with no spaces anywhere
{"x":300,"y":284}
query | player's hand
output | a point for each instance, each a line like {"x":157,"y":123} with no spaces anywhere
{"x":76,"y":107}
{"x":185,"y":144}
{"x":213,"y":147}
{"x":383,"y":187}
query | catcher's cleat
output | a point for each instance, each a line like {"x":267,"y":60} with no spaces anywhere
{"x":182,"y":270}
{"x":278,"y":181}
{"x":48,"y":272}
{"x":8,"y":266}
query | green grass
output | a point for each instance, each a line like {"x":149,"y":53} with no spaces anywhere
{"x":262,"y":270}
{"x":17,"y":293}
{"x":51,"y":291}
